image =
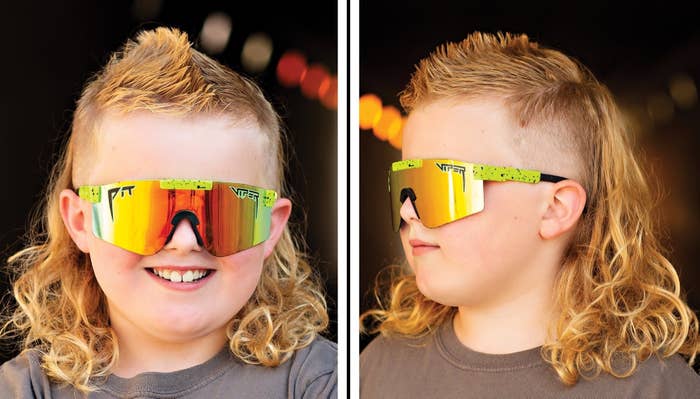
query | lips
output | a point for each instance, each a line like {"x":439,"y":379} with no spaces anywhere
{"x":419,"y":243}
{"x":420,"y":247}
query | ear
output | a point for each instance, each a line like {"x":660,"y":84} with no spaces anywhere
{"x":278,"y":221}
{"x":567,"y":199}
{"x":74,"y":219}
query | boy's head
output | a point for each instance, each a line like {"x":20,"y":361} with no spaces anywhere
{"x":161,"y":110}
{"x":162,"y":115}
{"x":498,"y":101}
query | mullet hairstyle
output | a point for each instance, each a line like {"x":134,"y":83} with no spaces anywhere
{"x":62,"y":312}
{"x":618,"y":294}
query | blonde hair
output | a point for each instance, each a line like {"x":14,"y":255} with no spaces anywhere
{"x":61,"y":309}
{"x":619,"y":295}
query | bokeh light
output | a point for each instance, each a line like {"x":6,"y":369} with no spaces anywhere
{"x":328,"y":93}
{"x":683,"y":91}
{"x":215,"y":32}
{"x":313,"y":79}
{"x":389,"y":123}
{"x":256,"y":52}
{"x":396,"y":136}
{"x":291,"y":68}
{"x":370,"y":111}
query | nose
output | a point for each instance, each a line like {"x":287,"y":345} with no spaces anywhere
{"x":184,"y":238}
{"x":408,"y":212}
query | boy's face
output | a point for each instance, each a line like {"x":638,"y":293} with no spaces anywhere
{"x":490,"y":256}
{"x":146,"y":146}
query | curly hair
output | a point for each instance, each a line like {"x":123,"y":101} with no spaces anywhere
{"x":61,"y":310}
{"x":618,"y":293}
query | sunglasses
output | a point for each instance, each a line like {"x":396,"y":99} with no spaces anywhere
{"x":444,"y":190}
{"x":141,"y":215}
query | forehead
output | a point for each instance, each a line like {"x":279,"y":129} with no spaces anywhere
{"x":479,"y":131}
{"x":144,"y":145}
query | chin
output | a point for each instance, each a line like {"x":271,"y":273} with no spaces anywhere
{"x":443,"y":292}
{"x":178,"y":326}
{"x":429,"y":288}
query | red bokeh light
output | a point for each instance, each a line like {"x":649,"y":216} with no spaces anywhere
{"x":313,"y":79}
{"x":328,"y":93}
{"x":291,"y":68}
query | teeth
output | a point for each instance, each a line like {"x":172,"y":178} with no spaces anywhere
{"x":187,"y":276}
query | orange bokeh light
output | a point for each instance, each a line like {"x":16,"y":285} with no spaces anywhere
{"x":291,"y":68}
{"x":370,"y":111}
{"x":313,"y":79}
{"x":389,"y":123}
{"x":328,"y":92}
{"x":396,"y":136}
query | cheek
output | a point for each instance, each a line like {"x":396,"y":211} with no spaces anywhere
{"x":467,"y":241}
{"x":502,"y":235}
{"x":107,"y":257}
{"x":242,"y":270}
{"x":114,"y":268}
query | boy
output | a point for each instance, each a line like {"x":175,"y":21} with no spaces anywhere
{"x":525,"y":222}
{"x":166,"y":267}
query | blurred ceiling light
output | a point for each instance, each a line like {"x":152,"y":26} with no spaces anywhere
{"x":683,"y":91}
{"x":370,"y":111}
{"x":328,"y":93}
{"x":291,"y":68}
{"x":389,"y":123}
{"x":313,"y":79}
{"x":256,"y":53}
{"x":145,"y":9}
{"x":660,"y":108}
{"x":215,"y":32}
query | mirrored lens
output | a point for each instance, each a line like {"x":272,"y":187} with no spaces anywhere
{"x":441,"y":191}
{"x":140,"y":216}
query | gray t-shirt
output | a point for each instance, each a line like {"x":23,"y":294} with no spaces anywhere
{"x":310,"y":373}
{"x":439,"y":366}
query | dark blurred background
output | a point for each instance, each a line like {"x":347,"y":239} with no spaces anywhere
{"x":647,"y":54}
{"x":50,"y":49}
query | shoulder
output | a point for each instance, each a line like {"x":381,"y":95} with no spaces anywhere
{"x":389,"y":362}
{"x":314,"y":370}
{"x":391,"y":358}
{"x":23,"y":377}
{"x":655,"y":377}
{"x":385,"y":349}
{"x":670,"y":377}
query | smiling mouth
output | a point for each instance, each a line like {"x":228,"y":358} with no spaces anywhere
{"x":180,"y":276}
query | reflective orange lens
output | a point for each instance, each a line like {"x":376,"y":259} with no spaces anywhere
{"x":140,"y":216}
{"x":441,"y":191}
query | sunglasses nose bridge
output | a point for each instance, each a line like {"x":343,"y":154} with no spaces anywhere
{"x":406,"y":211}
{"x":193,"y":221}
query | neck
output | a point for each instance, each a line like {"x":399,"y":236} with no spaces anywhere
{"x":512,"y":322}
{"x":140,"y":351}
